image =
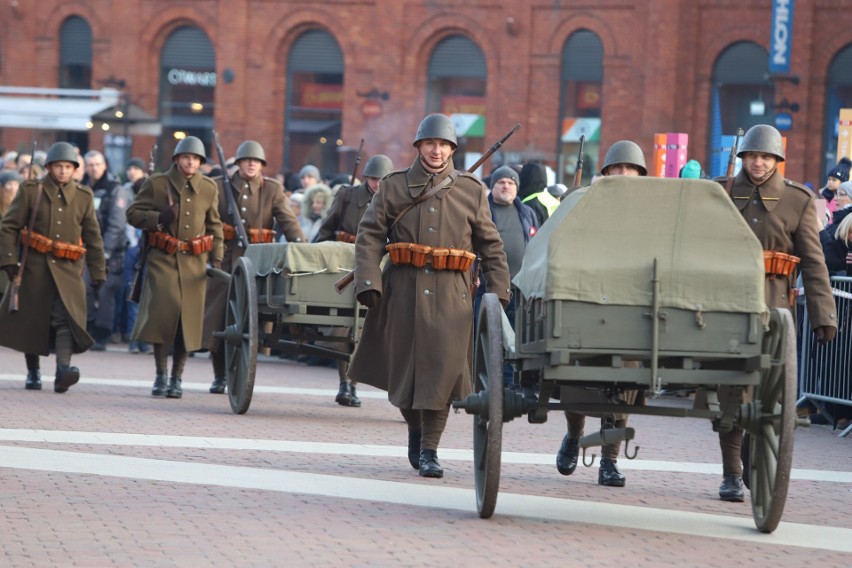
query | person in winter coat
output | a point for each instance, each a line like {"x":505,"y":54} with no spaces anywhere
{"x":532,"y":191}
{"x":417,"y":336}
{"x":315,"y":206}
{"x":64,"y":237}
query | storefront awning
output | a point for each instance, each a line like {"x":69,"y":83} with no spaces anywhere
{"x":470,"y":125}
{"x":573,"y":128}
{"x":306,"y":126}
{"x":52,"y":109}
{"x":139,"y":122}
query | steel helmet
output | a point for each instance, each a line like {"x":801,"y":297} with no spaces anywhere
{"x":191,"y":145}
{"x":378,"y":166}
{"x":625,"y":152}
{"x":437,"y":126}
{"x":251,"y":149}
{"x":62,"y":152}
{"x":762,"y":138}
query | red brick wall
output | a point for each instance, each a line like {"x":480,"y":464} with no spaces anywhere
{"x":658,"y":59}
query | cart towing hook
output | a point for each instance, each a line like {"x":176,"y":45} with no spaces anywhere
{"x":515,"y":404}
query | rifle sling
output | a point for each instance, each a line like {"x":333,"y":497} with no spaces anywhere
{"x":450,"y":179}
{"x":30,"y":226}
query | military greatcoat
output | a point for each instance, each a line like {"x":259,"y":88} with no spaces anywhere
{"x":781,"y":214}
{"x":417,"y":343}
{"x":65,"y":214}
{"x":261,"y":203}
{"x":346,"y":211}
{"x":174,"y":286}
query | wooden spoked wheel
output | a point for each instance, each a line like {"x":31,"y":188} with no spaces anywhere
{"x":240,"y":337}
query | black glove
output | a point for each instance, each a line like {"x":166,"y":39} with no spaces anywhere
{"x":167,"y":215}
{"x":96,"y":284}
{"x":11,"y":270}
{"x":370,"y":298}
{"x":825,"y":333}
{"x":216,"y":263}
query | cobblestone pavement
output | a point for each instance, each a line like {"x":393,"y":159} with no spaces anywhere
{"x":106,"y":475}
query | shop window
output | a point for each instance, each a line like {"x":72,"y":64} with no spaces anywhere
{"x":838,"y":94}
{"x":314,"y":111}
{"x":187,"y":89}
{"x":580,"y":105}
{"x":741,"y":96}
{"x":456,"y":83}
{"x":75,"y":68}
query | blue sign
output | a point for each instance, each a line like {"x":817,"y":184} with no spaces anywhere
{"x":783,"y":121}
{"x":781,"y":42}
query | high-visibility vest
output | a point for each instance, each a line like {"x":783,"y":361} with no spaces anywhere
{"x":548,"y":201}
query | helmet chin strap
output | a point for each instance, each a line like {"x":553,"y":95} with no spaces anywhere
{"x":440,"y":168}
{"x":765,"y":177}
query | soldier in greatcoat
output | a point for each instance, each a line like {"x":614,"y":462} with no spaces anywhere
{"x":63,"y":237}
{"x":341,"y":224}
{"x":418,"y":333}
{"x":261,"y":202}
{"x":781,"y":214}
{"x":179,"y":211}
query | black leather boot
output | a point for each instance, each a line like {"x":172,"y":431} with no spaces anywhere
{"x":218,"y":386}
{"x":65,"y":377}
{"x":732,"y":489}
{"x":159,"y":389}
{"x":566,"y":457}
{"x":174,"y":390}
{"x":33,"y":380}
{"x":429,"y":466}
{"x":414,"y":447}
{"x":353,"y":397}
{"x":609,"y":475}
{"x":344,"y":395}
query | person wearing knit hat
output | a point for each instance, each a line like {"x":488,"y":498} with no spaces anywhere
{"x":691,"y":170}
{"x":836,"y":175}
{"x":309,"y":176}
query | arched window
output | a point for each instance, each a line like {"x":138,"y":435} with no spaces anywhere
{"x":580,"y":104}
{"x":455,"y":86}
{"x":742,"y":95}
{"x":314,"y":109}
{"x":187,"y":88}
{"x":75,"y":54}
{"x":838,"y":95}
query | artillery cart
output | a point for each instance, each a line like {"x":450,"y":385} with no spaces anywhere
{"x":282,"y":296}
{"x":648,"y":285}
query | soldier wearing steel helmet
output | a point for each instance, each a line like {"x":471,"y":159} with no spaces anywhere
{"x":179,"y":211}
{"x":416,"y":342}
{"x":624,"y":158}
{"x":781,"y":214}
{"x":64,"y":237}
{"x":341,"y":224}
{"x":261,"y":202}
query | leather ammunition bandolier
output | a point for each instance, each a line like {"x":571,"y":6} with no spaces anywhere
{"x":255,"y":235}
{"x":779,"y":264}
{"x":46,"y":245}
{"x":171,"y":245}
{"x":344,"y":237}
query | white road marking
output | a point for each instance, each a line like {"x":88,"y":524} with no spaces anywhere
{"x":449,"y":454}
{"x":422,"y":495}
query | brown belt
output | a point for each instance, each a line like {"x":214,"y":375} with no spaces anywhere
{"x":344,"y":237}
{"x":170,"y":245}
{"x":779,"y":263}
{"x":255,"y":235}
{"x":417,"y":255}
{"x":46,"y":245}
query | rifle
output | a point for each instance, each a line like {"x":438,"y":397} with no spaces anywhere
{"x":347,"y":279}
{"x":233,"y":208}
{"x":357,"y":162}
{"x":15,"y":287}
{"x":732,"y":162}
{"x":135,"y":292}
{"x":578,"y":172}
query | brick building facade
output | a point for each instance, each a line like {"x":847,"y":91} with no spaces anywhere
{"x":658,"y":71}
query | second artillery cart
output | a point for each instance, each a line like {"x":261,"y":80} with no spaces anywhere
{"x":642,"y":284}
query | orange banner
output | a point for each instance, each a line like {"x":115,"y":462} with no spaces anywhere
{"x":461,"y":104}
{"x":315,"y":95}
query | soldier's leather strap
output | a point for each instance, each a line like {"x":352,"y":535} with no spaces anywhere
{"x":30,"y":225}
{"x":450,"y":179}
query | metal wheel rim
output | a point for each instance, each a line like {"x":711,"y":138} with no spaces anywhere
{"x":241,"y":315}
{"x":488,"y":428}
{"x":771,"y":445}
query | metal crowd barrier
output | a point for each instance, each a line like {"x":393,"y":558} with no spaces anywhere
{"x":825,"y":371}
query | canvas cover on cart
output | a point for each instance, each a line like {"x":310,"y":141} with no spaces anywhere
{"x":600,"y":244}
{"x":301,"y":258}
